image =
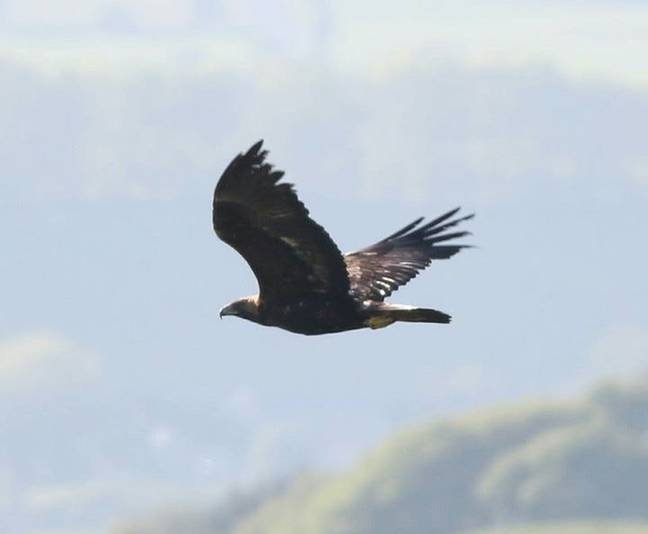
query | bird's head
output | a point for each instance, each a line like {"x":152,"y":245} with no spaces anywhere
{"x":246,"y":308}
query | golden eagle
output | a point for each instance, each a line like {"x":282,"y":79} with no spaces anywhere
{"x":305,"y":284}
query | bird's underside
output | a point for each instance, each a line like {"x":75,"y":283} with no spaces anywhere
{"x":305,"y":284}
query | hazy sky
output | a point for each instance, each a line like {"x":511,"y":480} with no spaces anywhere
{"x":600,"y":40}
{"x":120,"y":389}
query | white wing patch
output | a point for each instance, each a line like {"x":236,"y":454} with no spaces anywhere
{"x":289,"y":241}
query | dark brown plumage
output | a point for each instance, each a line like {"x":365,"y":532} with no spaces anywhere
{"x":305,"y":284}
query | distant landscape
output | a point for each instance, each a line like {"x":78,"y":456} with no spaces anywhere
{"x":541,"y":468}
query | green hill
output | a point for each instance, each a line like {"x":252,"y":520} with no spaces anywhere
{"x":561,"y":467}
{"x":570,"y":528}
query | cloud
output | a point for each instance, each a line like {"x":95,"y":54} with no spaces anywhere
{"x":70,"y":14}
{"x":601,"y":40}
{"x":44,"y":499}
{"x":42,"y":361}
{"x":621,"y":352}
{"x":74,"y":500}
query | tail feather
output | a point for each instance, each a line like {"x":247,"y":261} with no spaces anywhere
{"x":387,"y":314}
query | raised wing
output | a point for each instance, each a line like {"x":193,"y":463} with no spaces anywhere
{"x":289,"y":253}
{"x":379,"y":270}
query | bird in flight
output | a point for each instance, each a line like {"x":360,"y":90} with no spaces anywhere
{"x":306,"y":285}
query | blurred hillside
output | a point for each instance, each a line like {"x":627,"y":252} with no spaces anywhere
{"x":575,"y":468}
{"x":602,"y":527}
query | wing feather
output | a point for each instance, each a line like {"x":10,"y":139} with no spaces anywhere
{"x":264,"y":220}
{"x":377,"y":271}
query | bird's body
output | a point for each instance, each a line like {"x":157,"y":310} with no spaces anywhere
{"x":305,"y":284}
{"x":313,"y":314}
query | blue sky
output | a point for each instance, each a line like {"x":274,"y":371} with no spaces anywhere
{"x":122,"y":391}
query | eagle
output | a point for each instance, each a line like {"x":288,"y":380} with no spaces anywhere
{"x":306,"y":285}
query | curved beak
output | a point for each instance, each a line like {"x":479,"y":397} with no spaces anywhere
{"x":226,"y":310}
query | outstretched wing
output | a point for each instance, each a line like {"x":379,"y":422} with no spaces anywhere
{"x":289,"y":253}
{"x":379,"y":270}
